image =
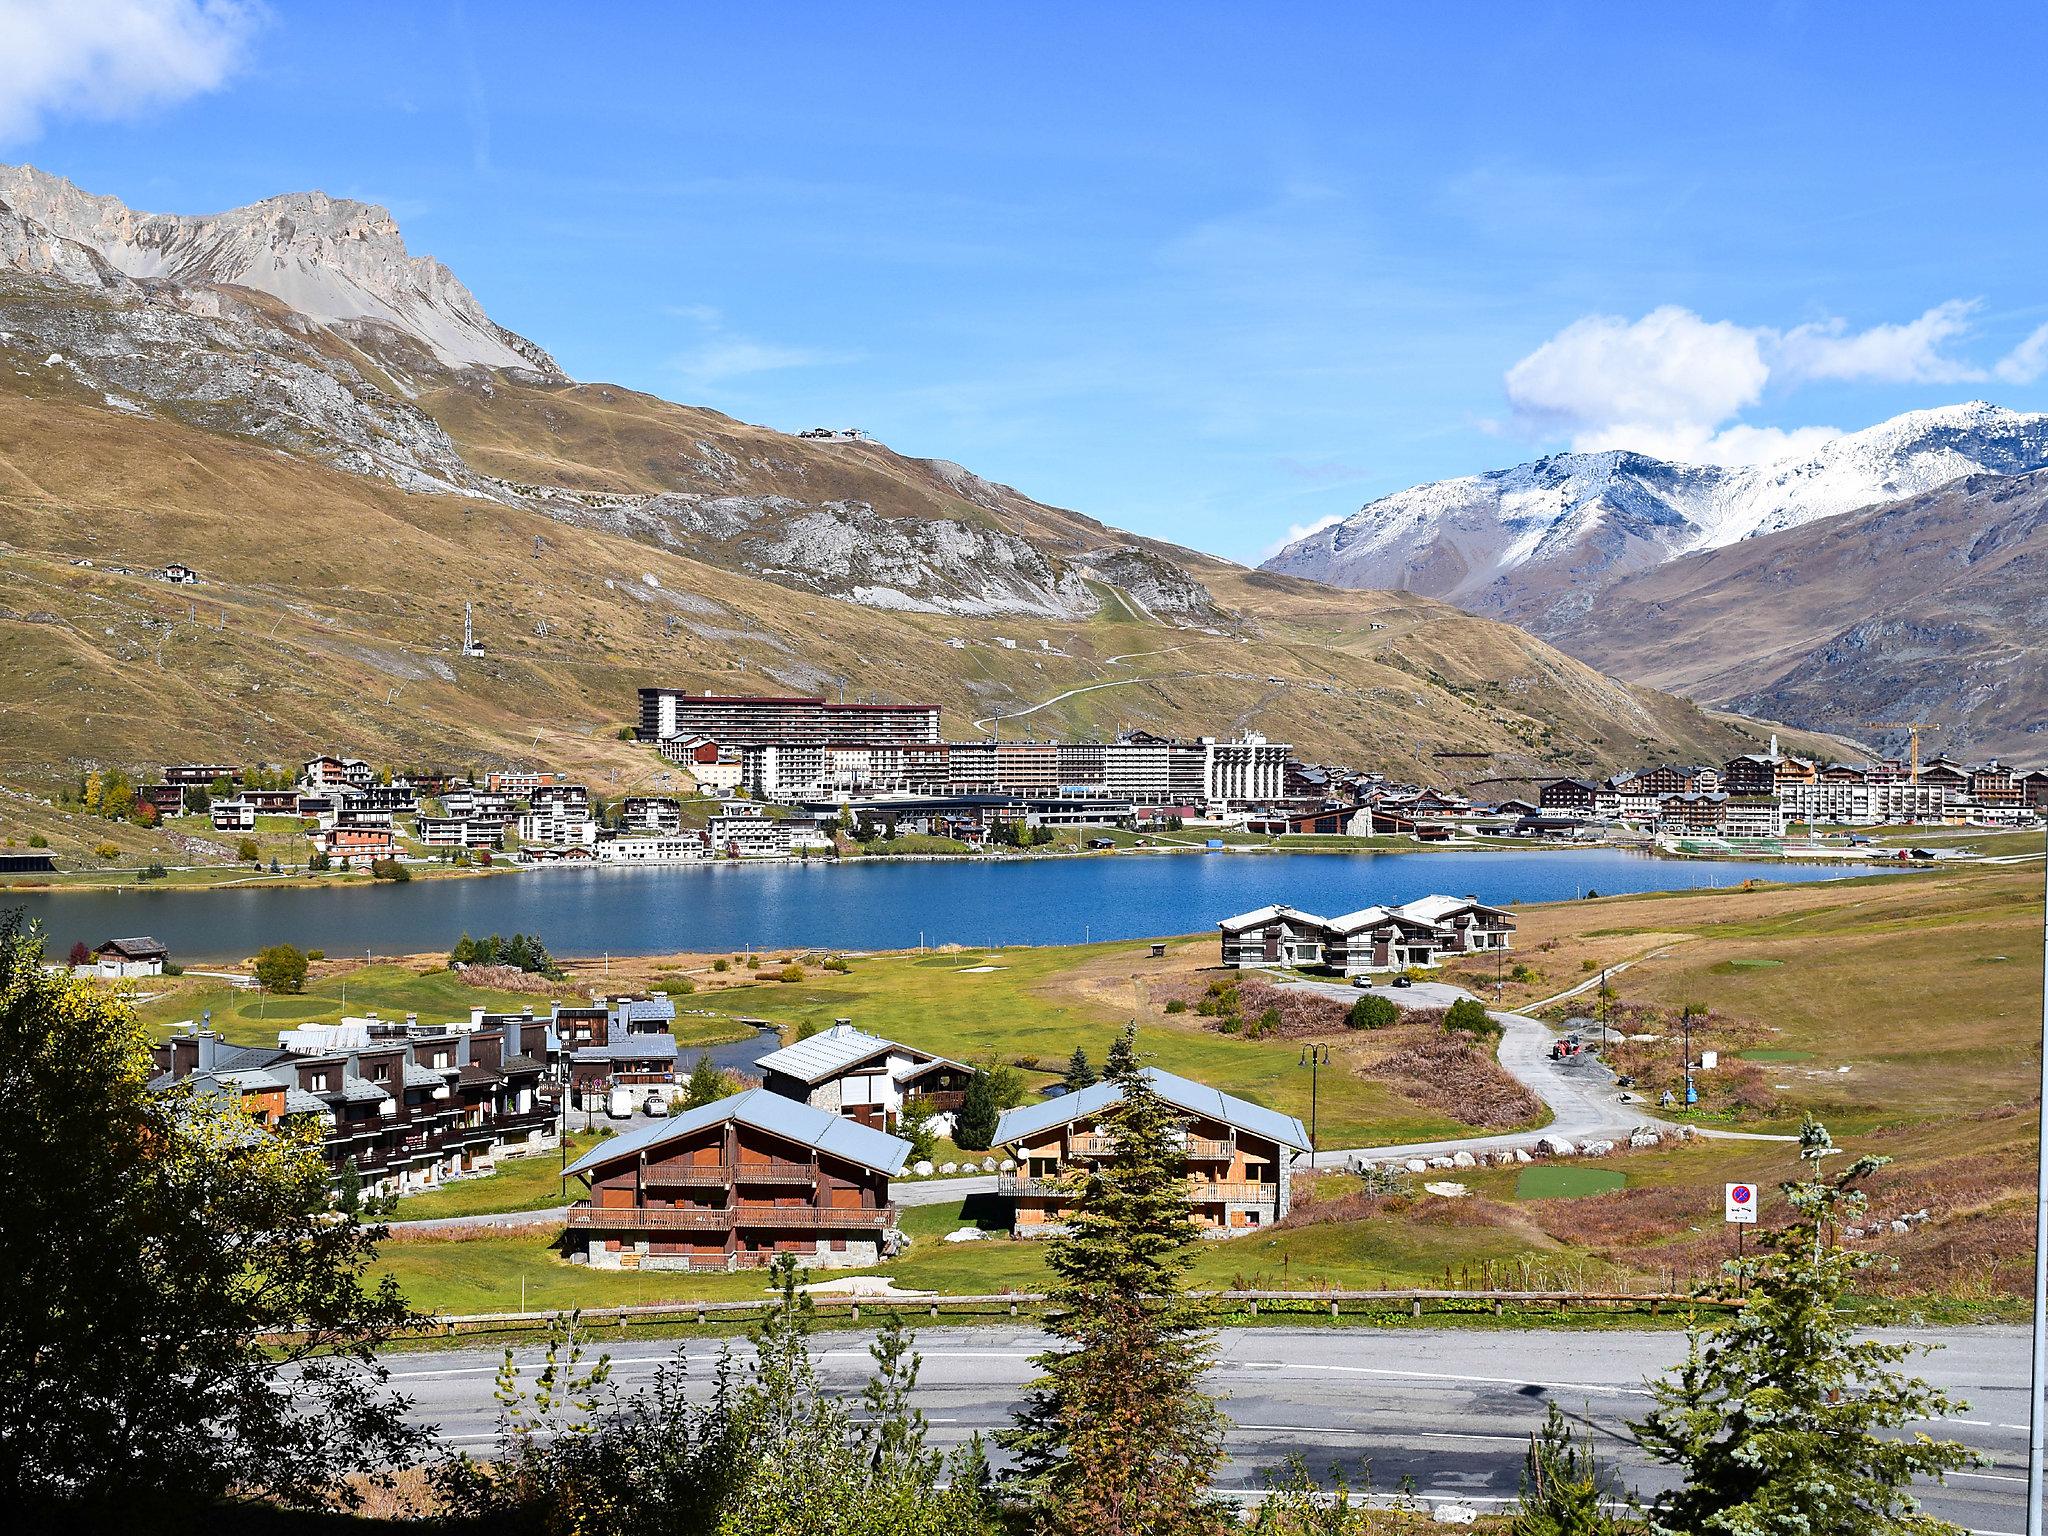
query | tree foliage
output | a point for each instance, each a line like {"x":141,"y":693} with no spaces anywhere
{"x":1564,"y":1490}
{"x":281,"y":968}
{"x":150,"y":1240}
{"x":1117,"y":1437}
{"x":522,"y":951}
{"x":1080,"y":1074}
{"x":1468,"y":1016}
{"x":974,"y":1128}
{"x":1373,"y":1012}
{"x":707,"y":1084}
{"x":1782,"y":1419}
{"x":766,"y":1452}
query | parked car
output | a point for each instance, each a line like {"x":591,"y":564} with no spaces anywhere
{"x":1403,"y":981}
{"x":656,"y":1106}
{"x":1361,"y":981}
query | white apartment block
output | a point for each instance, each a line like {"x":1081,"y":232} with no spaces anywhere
{"x":683,"y":848}
{"x":558,"y":826}
{"x":748,"y":837}
{"x":1250,"y":768}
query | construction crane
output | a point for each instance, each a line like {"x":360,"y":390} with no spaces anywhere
{"x":1913,"y":729}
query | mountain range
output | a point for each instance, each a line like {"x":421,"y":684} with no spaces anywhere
{"x":1827,"y":589}
{"x":335,"y":435}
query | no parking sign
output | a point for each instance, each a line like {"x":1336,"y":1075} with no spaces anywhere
{"x":1741,"y":1205}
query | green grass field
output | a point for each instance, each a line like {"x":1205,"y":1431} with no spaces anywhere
{"x":1567,"y":1182}
{"x":487,"y":1274}
{"x":1024,"y":1005}
{"x":519,"y":1184}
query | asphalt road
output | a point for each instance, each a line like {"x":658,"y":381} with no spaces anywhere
{"x":1446,"y":1413}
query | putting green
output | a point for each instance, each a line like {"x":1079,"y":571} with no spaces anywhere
{"x":1567,"y":1182}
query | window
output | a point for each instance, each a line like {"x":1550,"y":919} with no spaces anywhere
{"x":317,"y":1081}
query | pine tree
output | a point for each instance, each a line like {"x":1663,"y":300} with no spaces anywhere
{"x":1117,"y":1437}
{"x":1079,"y":1073}
{"x":974,"y":1129}
{"x":707,"y":1084}
{"x":1782,"y":1419}
{"x":1564,"y":1492}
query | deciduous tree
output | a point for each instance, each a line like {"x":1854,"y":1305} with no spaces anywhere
{"x":281,"y":968}
{"x":151,"y":1241}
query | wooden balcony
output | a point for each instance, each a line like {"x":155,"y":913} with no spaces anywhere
{"x":724,"y":1175}
{"x":1200,"y":1149}
{"x":656,"y":1218}
{"x":1202,"y":1192}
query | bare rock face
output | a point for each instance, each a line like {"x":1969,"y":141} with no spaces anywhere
{"x":340,"y":263}
{"x":303,"y":322}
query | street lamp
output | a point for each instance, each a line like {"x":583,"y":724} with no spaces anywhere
{"x":1692,"y":1094}
{"x":1315,"y":1058}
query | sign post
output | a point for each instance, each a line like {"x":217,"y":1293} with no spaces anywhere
{"x":1738,"y":1210}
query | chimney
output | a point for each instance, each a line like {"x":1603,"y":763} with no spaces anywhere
{"x":462,"y":1049}
{"x":207,"y":1044}
{"x":476,"y":1016}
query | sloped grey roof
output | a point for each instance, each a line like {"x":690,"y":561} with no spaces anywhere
{"x":141,"y":948}
{"x":299,"y":1102}
{"x":771,"y":1112}
{"x":360,"y":1090}
{"x":831,"y":1052}
{"x":1181,"y":1092}
{"x":1263,"y":915}
{"x":417,"y":1076}
{"x":632,"y":1048}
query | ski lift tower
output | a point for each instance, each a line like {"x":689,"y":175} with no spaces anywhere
{"x":470,"y":645}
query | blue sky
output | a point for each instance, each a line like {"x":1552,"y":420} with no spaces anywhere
{"x":1204,"y":271}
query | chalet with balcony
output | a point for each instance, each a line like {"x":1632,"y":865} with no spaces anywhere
{"x":736,"y":1184}
{"x":1993,"y":783}
{"x":1274,"y":935}
{"x":1948,"y":774}
{"x":349,"y":846}
{"x":2034,"y":789}
{"x":164,"y":799}
{"x":237,"y":815}
{"x":1569,"y":797}
{"x":1238,"y":1156}
{"x":651,"y":813}
{"x":201,"y":774}
{"x":1378,"y":938}
{"x":330,"y":772}
{"x":845,"y":1071}
{"x":409,"y":1106}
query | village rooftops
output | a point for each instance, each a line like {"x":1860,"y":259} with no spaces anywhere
{"x":1264,"y":915}
{"x":1435,"y":909}
{"x":134,"y":949}
{"x":821,"y":1130}
{"x":1182,"y":1093}
{"x":832,"y":1052}
{"x":628,"y":1048}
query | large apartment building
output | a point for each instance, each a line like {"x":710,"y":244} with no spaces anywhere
{"x":738,"y":721}
{"x":735,"y":1184}
{"x":1419,"y":933}
{"x":1238,"y":1156}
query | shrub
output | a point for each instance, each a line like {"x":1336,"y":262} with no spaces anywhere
{"x":282,"y":968}
{"x":247,"y":852}
{"x":37,"y":840}
{"x":79,"y":955}
{"x":790,"y":973}
{"x":153,"y":870}
{"x":389,"y":869}
{"x":1467,"y":1016}
{"x":682,"y":986}
{"x":721,"y":965}
{"x":1176,"y":1006}
{"x":1373,"y":1012}
{"x":106,"y":851}
{"x":319,"y":863}
{"x":625,"y":733}
{"x":1228,"y":1025}
{"x":316,"y":954}
{"x":837,"y":963}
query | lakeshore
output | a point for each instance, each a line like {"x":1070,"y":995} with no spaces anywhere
{"x":866,"y":905}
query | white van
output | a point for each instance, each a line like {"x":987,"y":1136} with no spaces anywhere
{"x":618,"y":1104}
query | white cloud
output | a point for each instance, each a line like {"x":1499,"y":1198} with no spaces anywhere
{"x":2027,"y":361}
{"x":1667,"y":378}
{"x":1674,"y":384}
{"x":1910,"y":353}
{"x":722,"y":359}
{"x":112,"y":58}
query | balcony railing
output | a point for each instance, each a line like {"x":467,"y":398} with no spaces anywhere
{"x":655,"y":1218}
{"x":720,"y":1175}
{"x":1198,"y":1148}
{"x":1199,"y":1191}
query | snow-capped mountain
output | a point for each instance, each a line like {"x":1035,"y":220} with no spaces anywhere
{"x":342,"y":264}
{"x":1536,"y":541}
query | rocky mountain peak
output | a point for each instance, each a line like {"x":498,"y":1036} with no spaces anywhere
{"x":336,"y":261}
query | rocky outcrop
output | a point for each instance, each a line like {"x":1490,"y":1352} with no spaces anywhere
{"x":338,"y":262}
